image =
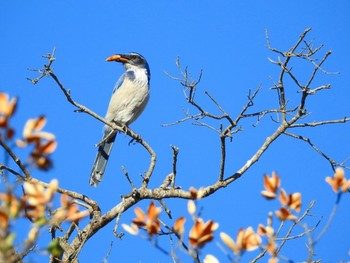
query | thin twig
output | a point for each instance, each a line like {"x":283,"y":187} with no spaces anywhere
{"x":116,"y":225}
{"x":166,"y":209}
{"x":223,"y":155}
{"x":174,"y":173}
{"x":128,"y":177}
{"x":296,"y":222}
{"x":319,"y":123}
{"x":28,"y":178}
{"x":330,"y":219}
{"x":332,"y":162}
{"x":105,"y":260}
{"x":16,"y":160}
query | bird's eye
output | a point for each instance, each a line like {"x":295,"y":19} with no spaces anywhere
{"x":133,"y":57}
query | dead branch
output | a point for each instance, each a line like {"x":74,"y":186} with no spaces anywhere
{"x":289,"y":116}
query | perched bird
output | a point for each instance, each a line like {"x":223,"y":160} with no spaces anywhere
{"x":129,"y":99}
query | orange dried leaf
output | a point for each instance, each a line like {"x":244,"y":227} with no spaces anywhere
{"x":64,"y":200}
{"x":4,"y":220}
{"x":39,"y":123}
{"x":153,"y":228}
{"x":252,"y":240}
{"x":76,"y":216}
{"x":13,"y":206}
{"x":284,"y":214}
{"x":21,"y":143}
{"x":201,"y":233}
{"x":203,"y":240}
{"x":273,"y":260}
{"x":3,"y":122}
{"x":153,"y":211}
{"x":271,"y":185}
{"x":265,"y":230}
{"x":283,"y":197}
{"x":150,"y":222}
{"x":295,"y":201}
{"x":32,"y":131}
{"x":271,"y":247}
{"x":179,"y":225}
{"x":48,"y":147}
{"x":268,"y":195}
{"x":338,"y":182}
{"x":246,"y":239}
{"x":140,"y":215}
{"x":72,"y":209}
{"x":7,"y":106}
{"x":10,"y":133}
{"x":209,"y":227}
{"x":193,"y":192}
{"x":43,"y":163}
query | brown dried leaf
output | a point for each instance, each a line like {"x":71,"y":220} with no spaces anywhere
{"x":179,"y":225}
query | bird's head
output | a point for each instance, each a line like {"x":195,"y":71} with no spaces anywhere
{"x":130,"y":60}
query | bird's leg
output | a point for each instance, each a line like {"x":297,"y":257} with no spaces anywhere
{"x":124,"y":128}
{"x":137,"y":139}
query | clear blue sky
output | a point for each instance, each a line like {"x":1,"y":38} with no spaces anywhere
{"x":224,"y":38}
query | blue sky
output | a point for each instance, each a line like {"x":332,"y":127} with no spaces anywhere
{"x":224,"y":38}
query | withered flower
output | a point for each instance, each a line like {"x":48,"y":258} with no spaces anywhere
{"x":271,"y":185}
{"x":150,"y":222}
{"x":68,"y":211}
{"x":338,"y":182}
{"x":179,"y":225}
{"x":7,"y":109}
{"x":247,"y":240}
{"x":284,"y":214}
{"x":37,"y":198}
{"x":202,"y":233}
{"x":44,"y":142}
{"x":293,"y":201}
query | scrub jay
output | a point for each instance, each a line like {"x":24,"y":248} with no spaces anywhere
{"x":129,"y":99}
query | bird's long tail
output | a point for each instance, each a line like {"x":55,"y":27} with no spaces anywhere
{"x":101,"y":161}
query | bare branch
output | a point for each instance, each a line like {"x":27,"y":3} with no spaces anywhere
{"x":319,"y":123}
{"x":105,"y":260}
{"x":166,"y":209}
{"x":128,"y":177}
{"x":288,"y":116}
{"x":28,"y":178}
{"x":175,"y":153}
{"x":332,"y":162}
{"x":330,"y":219}
{"x":317,"y":67}
{"x":223,"y":155}
{"x":16,"y":160}
{"x":306,"y":213}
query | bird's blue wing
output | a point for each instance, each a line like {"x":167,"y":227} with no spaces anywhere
{"x":119,"y":82}
{"x":128,"y":74}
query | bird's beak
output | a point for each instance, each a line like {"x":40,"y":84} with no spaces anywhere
{"x":117,"y":58}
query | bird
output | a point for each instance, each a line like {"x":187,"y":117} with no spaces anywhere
{"x":129,"y":98}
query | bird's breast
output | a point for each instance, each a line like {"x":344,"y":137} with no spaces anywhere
{"x":129,"y":100}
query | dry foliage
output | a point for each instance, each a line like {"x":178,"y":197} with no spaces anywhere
{"x":35,"y":203}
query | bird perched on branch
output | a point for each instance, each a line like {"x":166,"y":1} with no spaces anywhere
{"x":129,"y":99}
